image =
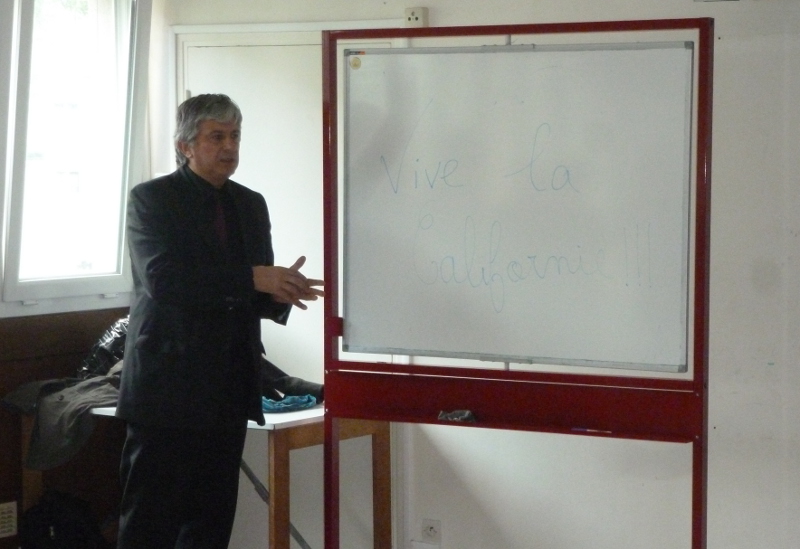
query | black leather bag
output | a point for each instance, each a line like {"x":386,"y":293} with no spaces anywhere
{"x":60,"y":521}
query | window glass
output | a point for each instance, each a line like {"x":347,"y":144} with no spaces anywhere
{"x":74,"y":156}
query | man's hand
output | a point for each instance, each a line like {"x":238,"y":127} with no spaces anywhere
{"x":288,"y":285}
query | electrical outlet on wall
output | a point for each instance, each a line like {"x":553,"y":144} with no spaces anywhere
{"x":416,"y":17}
{"x":8,"y":519}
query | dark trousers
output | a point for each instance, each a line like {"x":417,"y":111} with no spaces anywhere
{"x":179,"y":487}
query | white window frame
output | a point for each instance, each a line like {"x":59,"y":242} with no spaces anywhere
{"x":21,"y":298}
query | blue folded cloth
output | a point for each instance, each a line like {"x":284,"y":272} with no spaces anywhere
{"x":288,"y":404}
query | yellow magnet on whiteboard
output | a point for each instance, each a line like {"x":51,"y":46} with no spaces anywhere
{"x":355,"y":62}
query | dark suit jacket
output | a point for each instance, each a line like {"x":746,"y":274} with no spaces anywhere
{"x":189,"y":305}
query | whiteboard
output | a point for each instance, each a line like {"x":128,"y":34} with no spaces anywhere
{"x":519,"y":204}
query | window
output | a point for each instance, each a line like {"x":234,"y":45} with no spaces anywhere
{"x":75,"y":117}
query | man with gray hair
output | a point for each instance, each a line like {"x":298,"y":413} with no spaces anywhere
{"x":203,"y":278}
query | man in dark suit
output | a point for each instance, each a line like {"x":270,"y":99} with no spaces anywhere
{"x":203,"y":275}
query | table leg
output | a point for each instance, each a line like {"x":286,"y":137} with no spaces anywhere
{"x":282,"y":441}
{"x":278,"y":489}
{"x":32,"y":484}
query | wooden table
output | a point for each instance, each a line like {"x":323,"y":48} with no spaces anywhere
{"x":285,"y":432}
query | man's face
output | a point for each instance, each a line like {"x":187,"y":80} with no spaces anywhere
{"x":214,"y":154}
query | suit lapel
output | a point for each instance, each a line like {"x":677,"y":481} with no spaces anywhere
{"x":243,"y":216}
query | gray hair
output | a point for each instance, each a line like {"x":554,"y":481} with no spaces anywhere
{"x":197,"y":109}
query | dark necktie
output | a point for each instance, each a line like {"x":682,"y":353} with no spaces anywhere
{"x":219,"y":222}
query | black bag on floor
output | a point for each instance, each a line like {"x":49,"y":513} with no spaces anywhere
{"x":60,"y":521}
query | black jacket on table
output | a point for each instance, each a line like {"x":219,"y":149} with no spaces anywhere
{"x":193,"y":347}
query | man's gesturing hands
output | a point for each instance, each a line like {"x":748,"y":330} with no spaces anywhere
{"x":288,"y":285}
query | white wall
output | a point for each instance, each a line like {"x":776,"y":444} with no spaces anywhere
{"x":494,"y":489}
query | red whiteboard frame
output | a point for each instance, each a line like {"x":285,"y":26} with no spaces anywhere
{"x":658,"y":409}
